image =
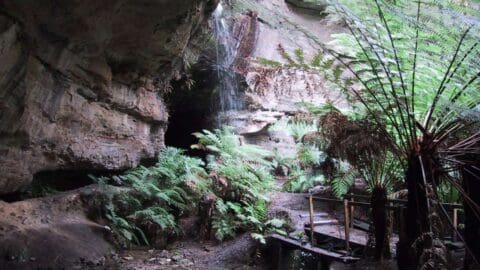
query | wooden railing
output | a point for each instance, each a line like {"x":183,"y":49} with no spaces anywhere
{"x":350,"y":201}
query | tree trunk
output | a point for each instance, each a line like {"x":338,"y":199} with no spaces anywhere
{"x":380,"y":222}
{"x":205,"y":212}
{"x":471,"y":184}
{"x":417,"y":216}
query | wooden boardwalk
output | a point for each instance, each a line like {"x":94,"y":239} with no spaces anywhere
{"x":305,"y":246}
{"x":342,"y":240}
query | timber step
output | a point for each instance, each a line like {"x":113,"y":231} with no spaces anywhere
{"x":305,"y":246}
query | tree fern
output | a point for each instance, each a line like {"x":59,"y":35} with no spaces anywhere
{"x":415,"y":87}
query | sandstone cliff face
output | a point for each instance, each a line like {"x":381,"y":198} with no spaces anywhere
{"x":271,"y":88}
{"x":272,"y":92}
{"x":80,"y":82}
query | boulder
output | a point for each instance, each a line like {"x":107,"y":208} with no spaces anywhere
{"x":52,"y":233}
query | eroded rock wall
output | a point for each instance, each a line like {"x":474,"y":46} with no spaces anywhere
{"x":81,"y":82}
{"x":272,"y":92}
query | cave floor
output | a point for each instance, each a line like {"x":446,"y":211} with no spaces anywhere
{"x":238,"y":253}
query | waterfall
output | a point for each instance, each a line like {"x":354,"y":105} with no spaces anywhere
{"x":228,"y":89}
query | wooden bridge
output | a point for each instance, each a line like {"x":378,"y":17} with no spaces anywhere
{"x":346,"y":240}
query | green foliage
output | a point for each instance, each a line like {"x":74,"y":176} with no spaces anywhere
{"x":447,"y":193}
{"x":300,"y":57}
{"x":310,"y":156}
{"x":243,"y":201}
{"x":282,"y":159}
{"x":224,"y":223}
{"x":267,"y":62}
{"x":227,"y":146}
{"x":153,"y":197}
{"x":297,"y":129}
{"x":321,"y":110}
{"x":302,"y":182}
{"x":417,"y":72}
{"x":344,"y":179}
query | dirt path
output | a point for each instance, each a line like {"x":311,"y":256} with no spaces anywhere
{"x":233,"y":254}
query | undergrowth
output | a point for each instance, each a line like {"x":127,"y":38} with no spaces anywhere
{"x":145,"y":203}
{"x":245,"y":173}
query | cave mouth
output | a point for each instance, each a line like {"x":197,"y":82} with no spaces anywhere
{"x":49,"y":182}
{"x":192,"y":109}
{"x":65,"y":180}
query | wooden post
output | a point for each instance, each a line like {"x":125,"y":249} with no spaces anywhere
{"x":455,"y":224}
{"x":312,"y":224}
{"x":352,"y":208}
{"x":347,"y":225}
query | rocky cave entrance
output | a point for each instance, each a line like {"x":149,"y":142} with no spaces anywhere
{"x":192,"y":106}
{"x":49,"y":182}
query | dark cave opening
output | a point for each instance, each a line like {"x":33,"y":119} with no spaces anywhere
{"x":191,"y":108}
{"x":49,"y":182}
{"x":52,"y":181}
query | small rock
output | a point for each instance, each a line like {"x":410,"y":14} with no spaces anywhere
{"x":100,"y":261}
{"x":152,"y":259}
{"x":151,"y":251}
{"x":184,"y":262}
{"x":128,"y":258}
{"x":177,"y":258}
{"x":165,"y":261}
{"x":165,"y":253}
{"x":32,"y":259}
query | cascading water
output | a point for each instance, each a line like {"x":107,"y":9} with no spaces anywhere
{"x":229,"y":95}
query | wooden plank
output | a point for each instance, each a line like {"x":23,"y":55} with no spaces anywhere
{"x":446,"y":205}
{"x":449,"y":206}
{"x":455,"y":223}
{"x":310,"y":203}
{"x":323,"y":214}
{"x":357,"y":196}
{"x":323,"y":199}
{"x":334,"y":234}
{"x":323,"y":222}
{"x":347,"y":224}
{"x":352,"y":211}
{"x":361,"y":225}
{"x":316,"y":250}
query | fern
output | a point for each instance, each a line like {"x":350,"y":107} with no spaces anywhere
{"x":303,"y":182}
{"x":242,"y":205}
{"x":299,"y":129}
{"x":310,"y":156}
{"x":155,"y":196}
{"x":345,"y":178}
{"x":224,"y":226}
{"x":157,"y":215}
